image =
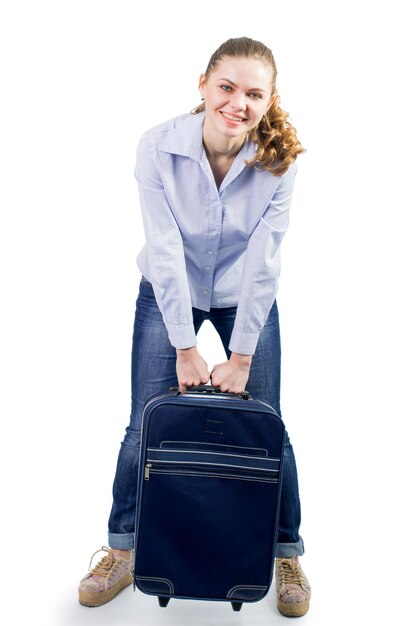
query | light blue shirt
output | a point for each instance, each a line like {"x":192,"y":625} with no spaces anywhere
{"x":207,"y":247}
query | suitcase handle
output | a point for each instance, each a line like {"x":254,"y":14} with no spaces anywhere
{"x":210,"y":389}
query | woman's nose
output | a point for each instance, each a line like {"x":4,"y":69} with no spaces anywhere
{"x":237,"y":100}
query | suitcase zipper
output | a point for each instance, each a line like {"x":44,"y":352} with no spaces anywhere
{"x":133,"y":569}
{"x":211,"y":469}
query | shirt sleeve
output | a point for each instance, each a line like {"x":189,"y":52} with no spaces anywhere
{"x":261,"y":272}
{"x":165,"y":250}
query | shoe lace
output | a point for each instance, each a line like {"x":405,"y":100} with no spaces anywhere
{"x":106,"y":565}
{"x":290,"y":572}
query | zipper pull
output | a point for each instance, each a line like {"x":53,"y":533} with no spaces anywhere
{"x":147,"y":469}
{"x":133,"y":569}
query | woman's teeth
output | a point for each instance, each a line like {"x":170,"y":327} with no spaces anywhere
{"x":232,"y":117}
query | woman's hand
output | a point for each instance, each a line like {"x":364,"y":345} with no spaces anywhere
{"x":191,"y":369}
{"x":232,"y":375}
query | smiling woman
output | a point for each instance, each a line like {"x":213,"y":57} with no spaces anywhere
{"x":240,"y":94}
{"x":233,"y":107}
{"x":215,"y":188}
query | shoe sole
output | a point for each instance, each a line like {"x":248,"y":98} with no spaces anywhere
{"x":97,"y":599}
{"x":298,"y":609}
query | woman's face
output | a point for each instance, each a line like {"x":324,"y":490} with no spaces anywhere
{"x":237,"y":94}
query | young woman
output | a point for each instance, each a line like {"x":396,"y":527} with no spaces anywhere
{"x":215,"y":189}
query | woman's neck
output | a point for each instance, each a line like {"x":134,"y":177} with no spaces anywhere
{"x":218,"y":146}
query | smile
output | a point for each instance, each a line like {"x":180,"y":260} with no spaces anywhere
{"x":233,"y":118}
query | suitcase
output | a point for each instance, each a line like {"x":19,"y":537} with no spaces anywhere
{"x":208,"y":496}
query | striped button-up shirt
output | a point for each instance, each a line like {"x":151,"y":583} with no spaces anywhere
{"x":208,"y":247}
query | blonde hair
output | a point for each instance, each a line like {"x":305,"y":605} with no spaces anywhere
{"x":278,"y":145}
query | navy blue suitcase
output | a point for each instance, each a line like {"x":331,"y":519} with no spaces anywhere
{"x":208,"y":496}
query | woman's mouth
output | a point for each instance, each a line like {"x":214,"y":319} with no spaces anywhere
{"x":234,"y":120}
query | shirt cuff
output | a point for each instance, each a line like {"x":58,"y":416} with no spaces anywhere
{"x":243,"y":343}
{"x":181,"y":336}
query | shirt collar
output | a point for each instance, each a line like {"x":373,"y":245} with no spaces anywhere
{"x":186,"y":137}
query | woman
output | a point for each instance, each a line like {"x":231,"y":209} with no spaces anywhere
{"x":215,"y":188}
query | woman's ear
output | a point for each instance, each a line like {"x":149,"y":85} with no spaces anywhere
{"x":272,"y":101}
{"x":202,"y":84}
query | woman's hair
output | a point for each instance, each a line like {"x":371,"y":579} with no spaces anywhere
{"x":274,"y":135}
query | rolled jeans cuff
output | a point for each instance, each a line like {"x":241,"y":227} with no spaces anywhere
{"x":288,"y":550}
{"x":121,"y":541}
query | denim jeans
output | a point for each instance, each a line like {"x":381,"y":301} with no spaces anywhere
{"x":154,"y":370}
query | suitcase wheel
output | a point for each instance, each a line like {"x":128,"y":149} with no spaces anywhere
{"x":164,"y":601}
{"x":236,"y":606}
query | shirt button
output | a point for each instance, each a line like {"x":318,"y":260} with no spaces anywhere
{"x":214,"y":233}
{"x":207,"y":267}
{"x":210,"y":251}
{"x":205,"y":291}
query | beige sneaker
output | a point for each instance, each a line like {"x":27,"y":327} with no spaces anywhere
{"x":292,"y":587}
{"x":105,"y":580}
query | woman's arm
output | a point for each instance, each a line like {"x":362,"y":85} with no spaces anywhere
{"x":261,"y":272}
{"x":165,"y":250}
{"x":259,"y":287}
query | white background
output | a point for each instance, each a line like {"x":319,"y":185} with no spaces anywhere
{"x":81,"y":81}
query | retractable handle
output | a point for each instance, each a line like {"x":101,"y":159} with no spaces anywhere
{"x":210,"y":389}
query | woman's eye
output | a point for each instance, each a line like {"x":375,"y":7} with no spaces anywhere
{"x":253,"y":95}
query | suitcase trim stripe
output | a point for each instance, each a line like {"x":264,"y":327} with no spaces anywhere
{"x":196,"y":457}
{"x":172,"y":452}
{"x":165,"y":445}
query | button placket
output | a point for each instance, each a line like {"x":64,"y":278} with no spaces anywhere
{"x":214,"y":230}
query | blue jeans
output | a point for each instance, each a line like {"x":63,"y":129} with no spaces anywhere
{"x":154,"y":370}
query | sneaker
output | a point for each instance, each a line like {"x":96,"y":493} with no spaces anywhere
{"x":292,"y":587}
{"x":106,"y":579}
